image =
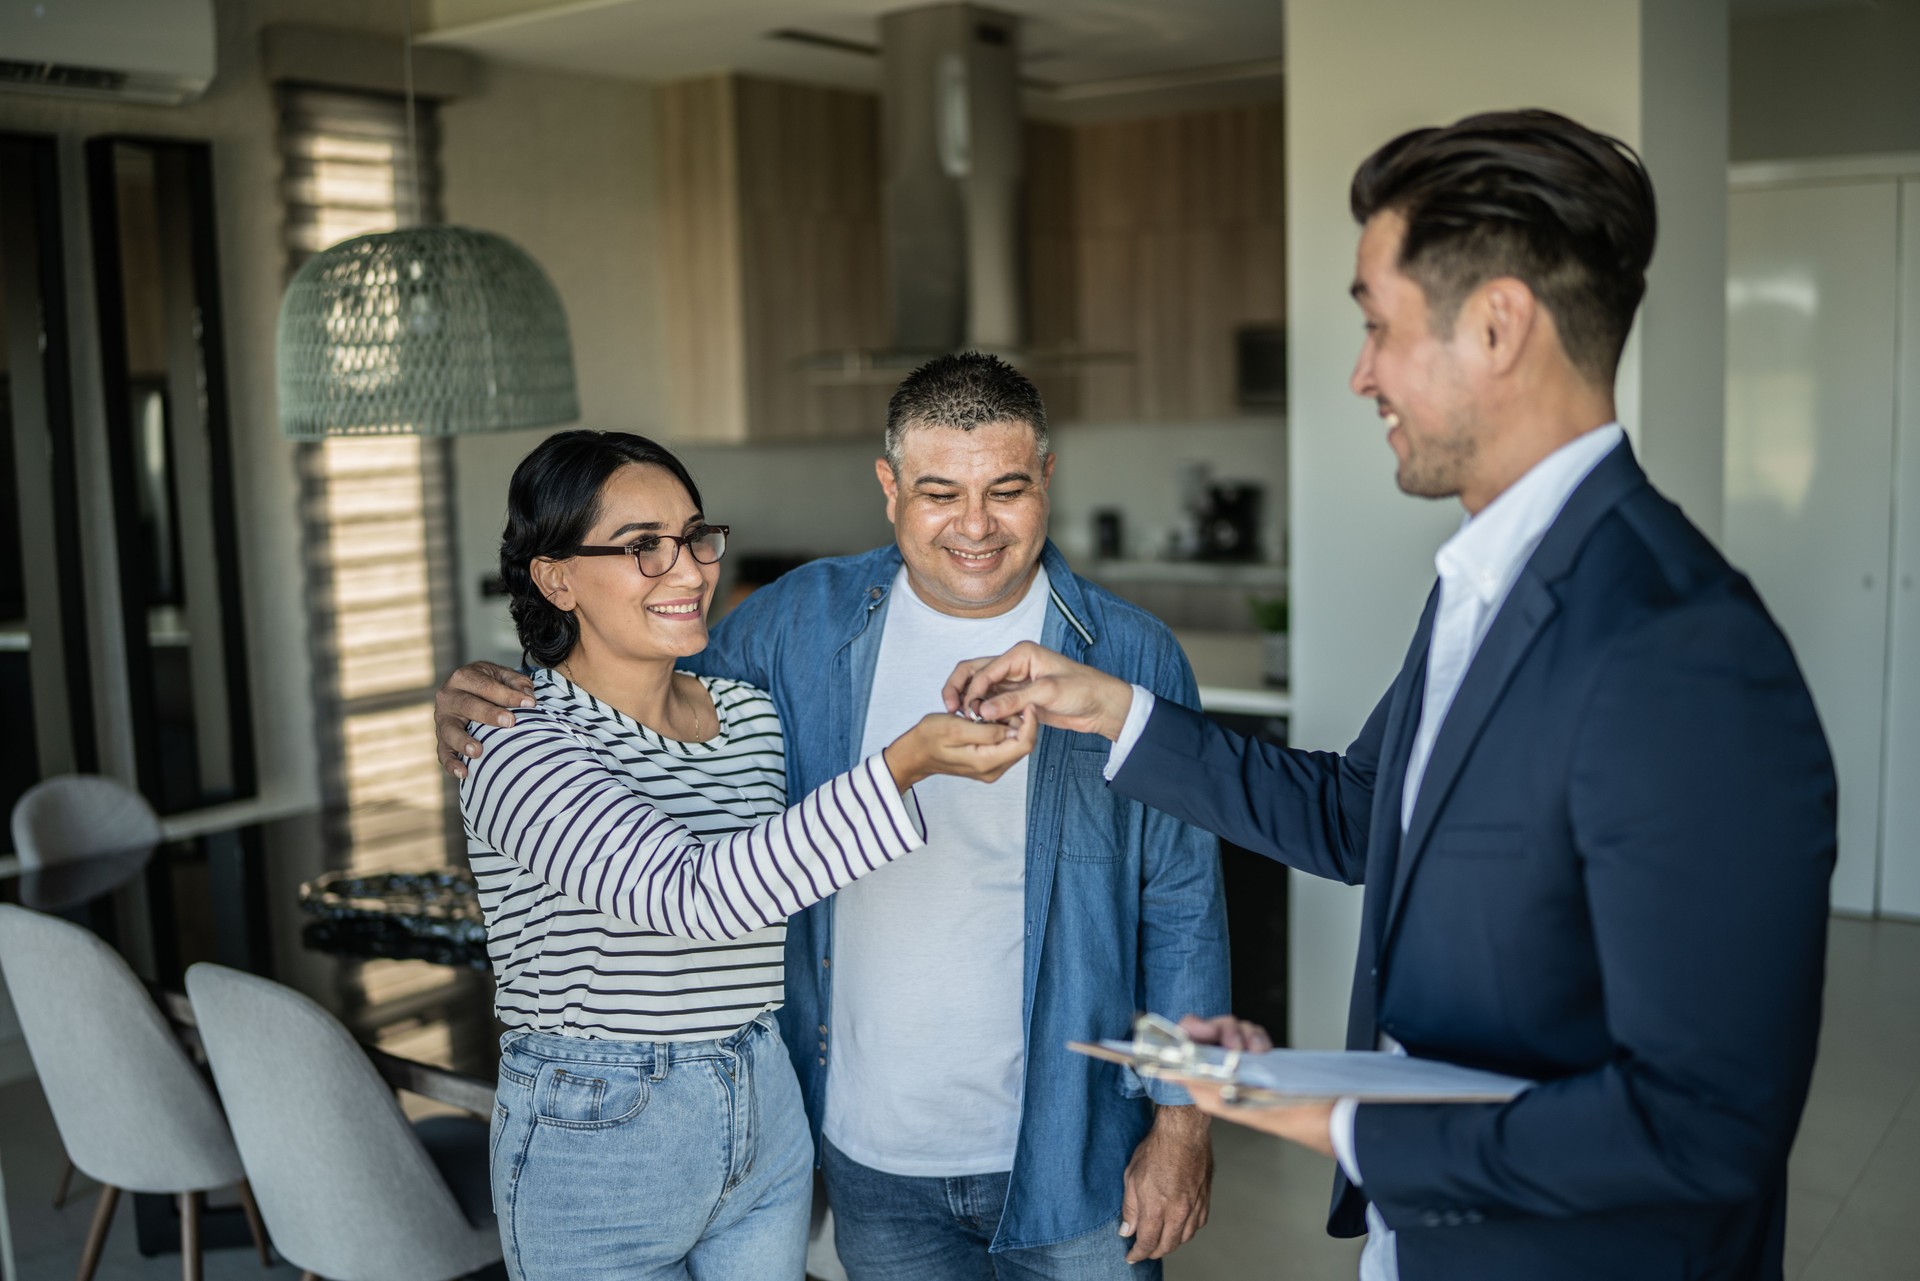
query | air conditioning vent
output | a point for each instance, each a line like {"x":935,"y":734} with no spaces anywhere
{"x":57,"y":79}
{"x":158,"y":51}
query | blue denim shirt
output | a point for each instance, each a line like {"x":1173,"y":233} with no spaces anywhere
{"x":1140,"y":921}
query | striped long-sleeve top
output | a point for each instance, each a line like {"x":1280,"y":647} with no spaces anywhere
{"x":637,"y":887}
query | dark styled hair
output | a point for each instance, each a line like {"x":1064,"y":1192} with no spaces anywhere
{"x":1527,"y":194}
{"x":965,"y":390}
{"x":552,"y":501}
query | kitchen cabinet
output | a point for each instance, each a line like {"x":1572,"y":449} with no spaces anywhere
{"x":771,"y":252}
{"x":1159,"y":237}
{"x":1155,"y":240}
{"x":1823,"y":483}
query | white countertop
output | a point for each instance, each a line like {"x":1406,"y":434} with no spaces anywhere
{"x":1228,"y":666}
{"x":1247,"y":574}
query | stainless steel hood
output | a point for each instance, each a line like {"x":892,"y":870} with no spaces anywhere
{"x":953,"y":196}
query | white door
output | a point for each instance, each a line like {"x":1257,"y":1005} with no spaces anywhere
{"x":1900,"y":838}
{"x":1812,"y":328}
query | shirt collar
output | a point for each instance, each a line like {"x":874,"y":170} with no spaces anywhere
{"x":1486,"y":552}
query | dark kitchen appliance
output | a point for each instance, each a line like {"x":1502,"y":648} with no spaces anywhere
{"x":1230,"y":522}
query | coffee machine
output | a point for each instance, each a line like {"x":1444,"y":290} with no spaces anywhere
{"x":1228,"y":522}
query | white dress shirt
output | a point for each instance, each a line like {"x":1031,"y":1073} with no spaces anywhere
{"x":1478,"y":567}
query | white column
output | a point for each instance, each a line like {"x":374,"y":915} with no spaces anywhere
{"x":1652,"y":72}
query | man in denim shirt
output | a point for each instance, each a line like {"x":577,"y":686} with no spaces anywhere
{"x":972,"y":1127}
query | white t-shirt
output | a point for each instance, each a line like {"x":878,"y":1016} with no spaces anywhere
{"x":927,"y":1047}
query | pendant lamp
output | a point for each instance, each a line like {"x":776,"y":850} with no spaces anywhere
{"x":430,"y":331}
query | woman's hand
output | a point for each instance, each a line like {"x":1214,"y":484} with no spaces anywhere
{"x":947,"y":744}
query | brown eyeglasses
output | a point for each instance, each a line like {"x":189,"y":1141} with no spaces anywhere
{"x":655,"y":554}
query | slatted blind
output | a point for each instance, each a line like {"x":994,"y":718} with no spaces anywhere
{"x":378,"y":546}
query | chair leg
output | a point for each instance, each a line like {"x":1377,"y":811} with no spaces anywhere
{"x":310,"y":1276}
{"x":190,"y":1269}
{"x":254,"y":1225}
{"x":97,"y":1234}
{"x":66,"y":1182}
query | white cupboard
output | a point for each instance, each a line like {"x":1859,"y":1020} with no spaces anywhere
{"x":1823,"y":480}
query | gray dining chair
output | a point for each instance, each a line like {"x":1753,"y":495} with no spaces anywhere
{"x":74,"y":816}
{"x":132,"y":1110}
{"x":349,"y":1188}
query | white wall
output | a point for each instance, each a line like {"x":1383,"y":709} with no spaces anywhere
{"x":564,"y":166}
{"x":1361,"y":559}
{"x":1679,"y":419}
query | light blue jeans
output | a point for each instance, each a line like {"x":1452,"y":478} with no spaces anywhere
{"x":641,"y":1160}
{"x":889,"y":1226}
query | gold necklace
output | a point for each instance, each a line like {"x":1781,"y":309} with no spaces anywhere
{"x":694,"y":711}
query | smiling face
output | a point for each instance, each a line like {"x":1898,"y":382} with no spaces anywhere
{"x":969,"y":513}
{"x":1417,"y":377}
{"x":622,"y":613}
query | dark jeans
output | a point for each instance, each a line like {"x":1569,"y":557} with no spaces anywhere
{"x":888,"y":1226}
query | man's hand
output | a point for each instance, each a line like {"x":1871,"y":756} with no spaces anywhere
{"x":1308,"y":1124}
{"x":483,"y":692}
{"x":1227,"y":1032}
{"x":1168,"y":1183}
{"x":1063,"y":693}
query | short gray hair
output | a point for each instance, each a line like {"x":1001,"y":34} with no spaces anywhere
{"x":966,"y":390}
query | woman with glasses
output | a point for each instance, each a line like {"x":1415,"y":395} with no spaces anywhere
{"x":637,"y":862}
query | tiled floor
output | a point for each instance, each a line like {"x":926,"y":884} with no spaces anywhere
{"x":1855,"y":1205}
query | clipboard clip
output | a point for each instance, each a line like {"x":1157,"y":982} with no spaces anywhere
{"x":1159,"y":1043}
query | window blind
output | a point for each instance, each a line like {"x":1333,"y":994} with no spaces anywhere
{"x":376,"y":510}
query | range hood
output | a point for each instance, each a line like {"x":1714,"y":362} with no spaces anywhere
{"x":953,"y":196}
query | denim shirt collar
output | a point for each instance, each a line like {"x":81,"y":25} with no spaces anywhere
{"x":883,"y":564}
{"x":1067,"y":629}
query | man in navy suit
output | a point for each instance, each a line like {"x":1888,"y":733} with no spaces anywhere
{"x":1594,"y":814}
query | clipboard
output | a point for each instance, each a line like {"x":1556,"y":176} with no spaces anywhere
{"x":1280,"y":1078}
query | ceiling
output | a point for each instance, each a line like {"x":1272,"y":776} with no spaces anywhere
{"x":1080,"y":46}
{"x":1077,"y":54}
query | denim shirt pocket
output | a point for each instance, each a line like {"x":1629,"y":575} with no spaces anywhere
{"x":1093,"y":820}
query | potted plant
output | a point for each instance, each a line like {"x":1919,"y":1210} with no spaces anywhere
{"x":1270,"y":616}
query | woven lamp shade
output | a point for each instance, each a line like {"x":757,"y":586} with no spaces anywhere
{"x":431,"y":331}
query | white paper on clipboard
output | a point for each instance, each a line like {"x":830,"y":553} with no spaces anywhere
{"x":1300,"y":1076}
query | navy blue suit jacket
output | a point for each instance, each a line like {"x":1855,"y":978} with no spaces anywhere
{"x":1614,"y":883}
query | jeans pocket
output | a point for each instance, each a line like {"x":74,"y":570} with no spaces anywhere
{"x":589,"y":1096}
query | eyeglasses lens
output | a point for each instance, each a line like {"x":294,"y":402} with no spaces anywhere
{"x":657,"y":555}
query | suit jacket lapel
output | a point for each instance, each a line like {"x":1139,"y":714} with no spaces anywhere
{"x":1525,"y":613}
{"x":1396,"y":744}
{"x":1514,"y":629}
